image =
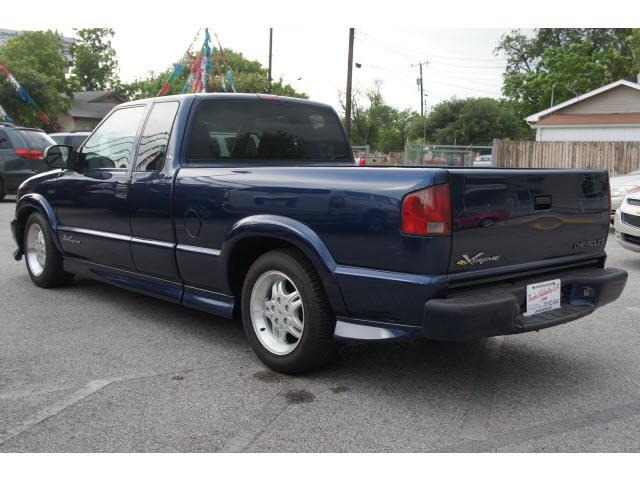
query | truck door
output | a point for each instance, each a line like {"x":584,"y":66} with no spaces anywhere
{"x":150,"y":196}
{"x":91,"y":201}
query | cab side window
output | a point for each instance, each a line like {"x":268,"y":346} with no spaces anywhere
{"x":111,"y":145}
{"x":155,"y":137}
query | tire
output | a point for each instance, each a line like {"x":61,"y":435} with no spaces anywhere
{"x":263,"y":316}
{"x":2,"y":192}
{"x":43,"y":260}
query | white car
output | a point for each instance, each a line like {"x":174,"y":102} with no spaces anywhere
{"x":627,"y":222}
{"x":483,"y":161}
{"x":622,"y":185}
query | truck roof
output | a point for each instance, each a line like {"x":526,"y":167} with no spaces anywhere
{"x":233,"y":97}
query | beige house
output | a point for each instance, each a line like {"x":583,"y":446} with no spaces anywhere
{"x":609,"y":113}
{"x":87,"y":110}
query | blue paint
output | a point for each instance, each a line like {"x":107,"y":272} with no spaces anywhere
{"x":173,"y":233}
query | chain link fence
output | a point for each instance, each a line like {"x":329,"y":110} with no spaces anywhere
{"x":448,"y":155}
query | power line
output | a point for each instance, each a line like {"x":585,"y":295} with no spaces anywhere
{"x":475,"y":79}
{"x":431,"y":81}
{"x":465,"y":88}
{"x":423,"y":53}
{"x":467,"y":66}
{"x":398,"y":52}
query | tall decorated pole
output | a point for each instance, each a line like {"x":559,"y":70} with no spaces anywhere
{"x":166,"y":86}
{"x":200,"y":68}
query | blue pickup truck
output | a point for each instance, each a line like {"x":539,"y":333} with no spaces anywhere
{"x":251,"y":206}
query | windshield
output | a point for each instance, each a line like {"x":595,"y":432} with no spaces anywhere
{"x":75,"y":140}
{"x":30,"y":139}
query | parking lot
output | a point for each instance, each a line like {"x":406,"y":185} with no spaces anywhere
{"x":95,"y":368}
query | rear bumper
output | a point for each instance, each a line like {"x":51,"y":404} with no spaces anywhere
{"x":497,"y":309}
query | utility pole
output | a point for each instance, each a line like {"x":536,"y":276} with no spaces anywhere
{"x":347,"y":108}
{"x":422,"y":102}
{"x":424,"y":119}
{"x":421,"y":92}
{"x":269,"y":79}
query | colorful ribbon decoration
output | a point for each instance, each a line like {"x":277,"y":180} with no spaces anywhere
{"x":200,"y":68}
{"x":22,"y":93}
{"x":4,"y":116}
{"x":178,"y":68}
{"x":229,"y":76}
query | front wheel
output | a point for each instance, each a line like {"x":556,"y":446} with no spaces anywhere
{"x":44,"y":261}
{"x":285,"y":313}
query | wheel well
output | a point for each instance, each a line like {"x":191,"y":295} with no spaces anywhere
{"x":247,"y":251}
{"x":23,"y":216}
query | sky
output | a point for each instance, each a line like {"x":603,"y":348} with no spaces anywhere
{"x":311,"y":38}
{"x":461,"y":61}
{"x":314,"y":60}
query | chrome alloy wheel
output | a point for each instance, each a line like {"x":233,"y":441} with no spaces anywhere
{"x":36,"y":249}
{"x":277,"y":313}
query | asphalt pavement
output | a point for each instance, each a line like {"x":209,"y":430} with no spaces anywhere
{"x":91,"y":367}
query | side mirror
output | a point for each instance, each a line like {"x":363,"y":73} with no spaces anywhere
{"x":58,"y":156}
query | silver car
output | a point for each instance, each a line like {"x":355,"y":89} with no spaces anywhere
{"x":627,"y":222}
{"x":621,"y":186}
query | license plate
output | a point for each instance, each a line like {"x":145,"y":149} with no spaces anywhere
{"x":542,"y":297}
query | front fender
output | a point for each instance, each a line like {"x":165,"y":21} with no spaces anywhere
{"x":24,"y":207}
{"x":294,"y":232}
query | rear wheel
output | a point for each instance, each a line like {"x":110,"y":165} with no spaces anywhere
{"x":285,"y":313}
{"x":2,"y":193}
{"x":44,"y":261}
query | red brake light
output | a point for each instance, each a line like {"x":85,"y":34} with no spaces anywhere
{"x":29,"y":154}
{"x":427,"y":212}
{"x":362,"y":162}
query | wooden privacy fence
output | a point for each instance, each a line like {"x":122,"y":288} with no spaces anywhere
{"x":617,"y":157}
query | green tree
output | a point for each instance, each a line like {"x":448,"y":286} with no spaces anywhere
{"x":379,"y":125}
{"x":471,"y":121}
{"x":95,"y":60}
{"x":249,"y":76}
{"x":35,"y":59}
{"x":565,"y":62}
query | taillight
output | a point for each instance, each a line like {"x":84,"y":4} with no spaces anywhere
{"x":29,"y":154}
{"x":362,"y":162}
{"x":427,"y":212}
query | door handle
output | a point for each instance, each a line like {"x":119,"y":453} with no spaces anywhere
{"x":122,"y":190}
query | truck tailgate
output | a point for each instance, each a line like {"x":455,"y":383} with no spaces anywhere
{"x":505,"y":217}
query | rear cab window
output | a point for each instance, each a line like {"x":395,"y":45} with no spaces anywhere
{"x":273,"y":132}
